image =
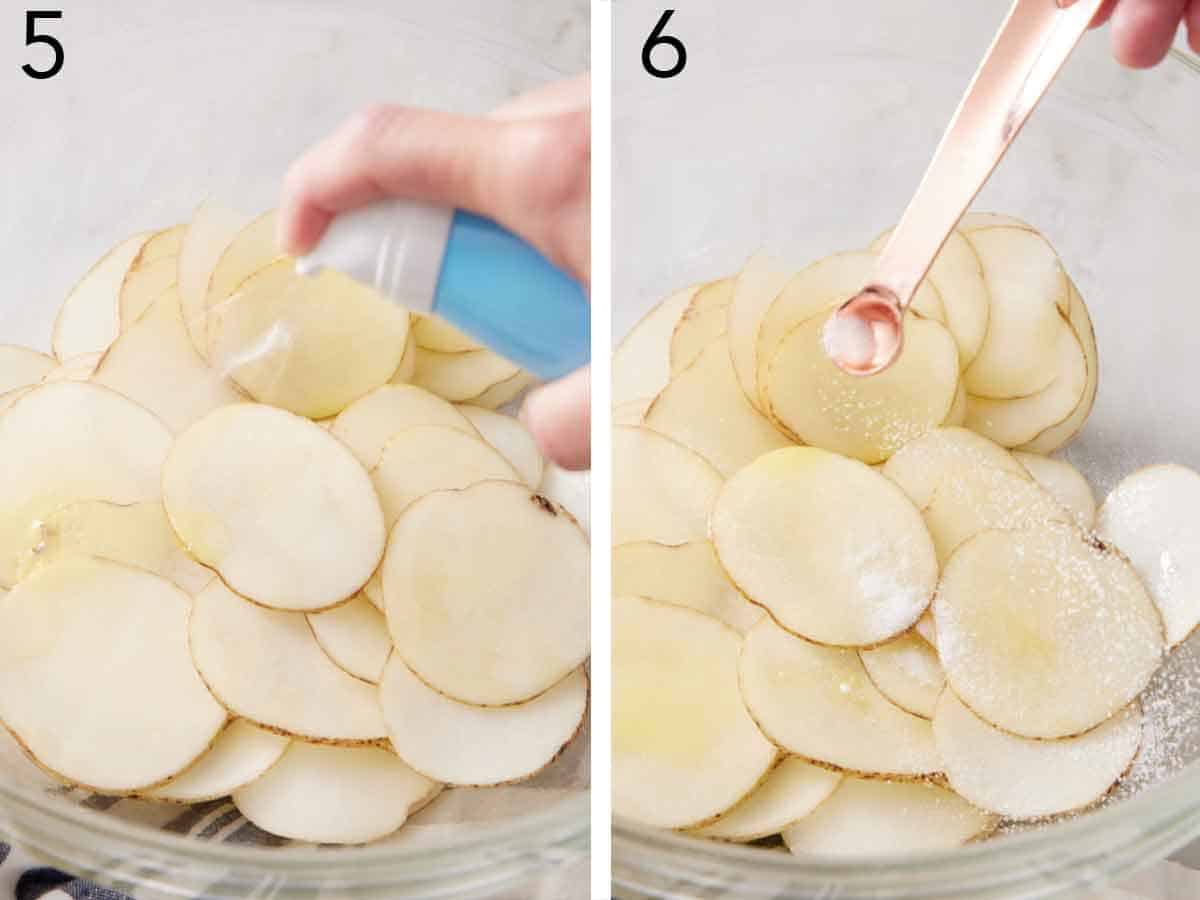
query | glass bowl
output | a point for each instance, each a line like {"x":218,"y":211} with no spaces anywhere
{"x":158,"y":107}
{"x":806,"y":133}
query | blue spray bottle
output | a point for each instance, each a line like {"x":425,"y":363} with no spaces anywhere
{"x":471,"y":272}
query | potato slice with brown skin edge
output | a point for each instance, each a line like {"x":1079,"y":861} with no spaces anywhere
{"x":509,"y":436}
{"x":702,"y":322}
{"x":372,"y":791}
{"x":704,"y":409}
{"x":52,"y":624}
{"x":21,"y":367}
{"x":683,"y":575}
{"x":240,"y":755}
{"x":1064,"y":483}
{"x":641,"y":363}
{"x":791,"y":791}
{"x":907,"y":671}
{"x":1043,"y":633}
{"x":456,"y":743}
{"x":867,"y":418}
{"x":684,"y":748}
{"x":367,"y":424}
{"x":252,"y":249}
{"x":788,"y":684}
{"x":662,"y":491}
{"x":89,"y":319}
{"x":277,"y":505}
{"x":42,"y":468}
{"x":505,"y":392}
{"x":755,"y":289}
{"x":509,"y":626}
{"x":1020,"y":778}
{"x":142,"y":286}
{"x":266,"y":666}
{"x":435,"y":333}
{"x":945,"y":453}
{"x":834,"y":551}
{"x":355,"y":636}
{"x":872,"y":818}
{"x":570,"y":490}
{"x":460,"y":377}
{"x":211,"y":229}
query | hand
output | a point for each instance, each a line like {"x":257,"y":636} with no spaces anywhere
{"x":1143,"y":30}
{"x":527,"y":166}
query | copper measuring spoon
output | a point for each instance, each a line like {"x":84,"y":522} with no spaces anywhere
{"x":865,"y":335}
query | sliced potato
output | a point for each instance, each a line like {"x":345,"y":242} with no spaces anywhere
{"x":435,"y":333}
{"x":275,"y":504}
{"x":1153,"y":517}
{"x":456,"y":743}
{"x":355,"y":636}
{"x":819,"y":703}
{"x":883,"y":818}
{"x":252,"y":249}
{"x":1030,"y":298}
{"x":791,"y":791}
{"x":367,"y":424}
{"x":374,"y":590}
{"x":570,"y":490}
{"x":1021,"y":778}
{"x":310,"y":345}
{"x":334,"y":795}
{"x":701,"y":323}
{"x":641,"y":363}
{"x":907,"y":671}
{"x":266,"y":666}
{"x":704,"y":409}
{"x":974,"y":221}
{"x":240,"y":755}
{"x":21,"y":367}
{"x":1043,"y":633}
{"x":153,"y":363}
{"x":165,"y":244}
{"x":511,"y":438}
{"x":505,"y":392}
{"x":946,"y":453}
{"x":426,"y":458}
{"x":927,"y":631}
{"x":756,"y":287}
{"x":408,"y":360}
{"x":89,"y":319}
{"x":84,"y":695}
{"x":833,"y":550}
{"x":662,"y":491}
{"x":70,"y":441}
{"x":459,"y":377}
{"x":958,"y":409}
{"x":1064,"y":483}
{"x":210,"y":232}
{"x":512,"y":623}
{"x":632,"y":412}
{"x":684,"y":575}
{"x":867,"y":418}
{"x":684,"y":748}
{"x":144,"y":283}
{"x":77,"y":368}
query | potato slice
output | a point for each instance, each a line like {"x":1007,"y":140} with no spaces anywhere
{"x":570,"y":490}
{"x":212,"y":228}
{"x":943,"y":454}
{"x":435,"y":333}
{"x":242,"y":754}
{"x":153,"y":363}
{"x":511,"y":624}
{"x":72,"y":667}
{"x":819,"y":703}
{"x":683,"y":575}
{"x":367,"y":424}
{"x":355,"y":636}
{"x":1030,"y":298}
{"x":1021,"y":778}
{"x":1153,"y":517}
{"x":334,"y":795}
{"x":702,"y":322}
{"x":641,"y":363}
{"x":908,"y":672}
{"x":70,"y":441}
{"x":1043,"y":633}
{"x":266,"y":666}
{"x":867,"y":418}
{"x":422,"y":459}
{"x":408,"y":360}
{"x":136,"y":534}
{"x":374,"y":590}
{"x":957,"y":274}
{"x":459,"y":744}
{"x":1014,"y":422}
{"x":632,"y":412}
{"x":927,"y":631}
{"x":834,"y":551}
{"x":507,"y":391}
{"x":144,"y":283}
{"x":21,"y":367}
{"x":165,"y":244}
{"x":1064,"y":483}
{"x":459,"y":377}
{"x":310,"y":345}
{"x":252,"y":249}
{"x":89,"y":319}
{"x":1057,"y":436}
{"x":509,"y":436}
{"x":77,"y":368}
{"x":276,"y":505}
{"x":704,"y":409}
{"x":958,"y":409}
{"x":972,"y":502}
{"x":684,"y":748}
{"x":662,"y":491}
{"x":791,"y":791}
{"x":883,"y":818}
{"x":975,"y":221}
{"x":755,"y":289}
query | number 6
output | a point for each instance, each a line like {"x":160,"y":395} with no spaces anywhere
{"x":656,"y":38}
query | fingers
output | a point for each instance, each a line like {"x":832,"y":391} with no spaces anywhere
{"x":1143,"y":30}
{"x":559,"y":417}
{"x":553,"y":99}
{"x":1104,"y":13}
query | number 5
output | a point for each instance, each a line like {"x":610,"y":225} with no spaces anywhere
{"x":32,"y":37}
{"x":656,"y":38}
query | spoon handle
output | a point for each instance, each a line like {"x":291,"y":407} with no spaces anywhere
{"x":1028,"y":51}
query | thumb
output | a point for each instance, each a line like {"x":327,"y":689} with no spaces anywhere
{"x":559,"y":416}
